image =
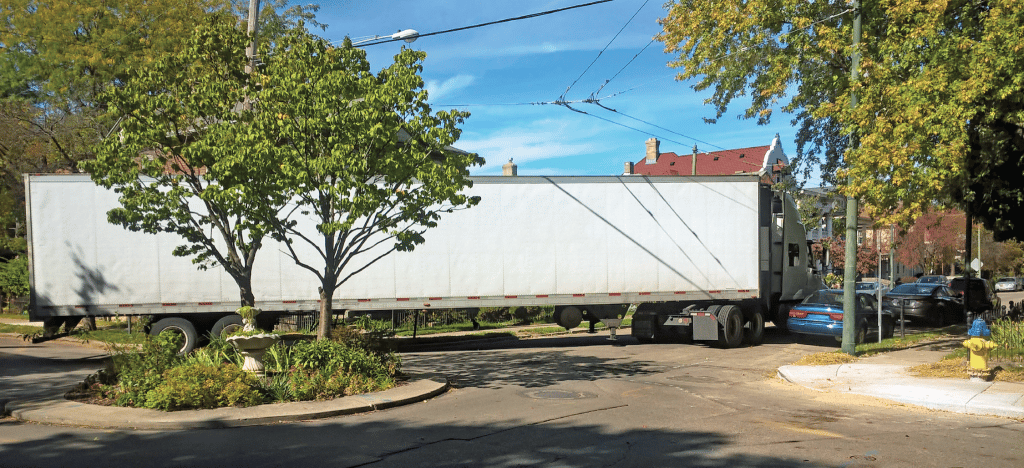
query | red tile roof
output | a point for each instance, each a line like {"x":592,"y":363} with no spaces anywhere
{"x":717,"y":163}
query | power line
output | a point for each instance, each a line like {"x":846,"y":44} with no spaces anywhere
{"x":604,"y":49}
{"x":609,"y":80}
{"x":533,"y":15}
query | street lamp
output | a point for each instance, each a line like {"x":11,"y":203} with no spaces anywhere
{"x":408,"y":35}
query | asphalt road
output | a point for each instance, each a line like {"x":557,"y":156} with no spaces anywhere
{"x":579,"y":401}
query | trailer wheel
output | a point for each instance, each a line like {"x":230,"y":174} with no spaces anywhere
{"x":180,"y":326}
{"x":753,"y":334}
{"x":731,"y":319}
{"x":568,"y":317}
{"x":226,"y":325}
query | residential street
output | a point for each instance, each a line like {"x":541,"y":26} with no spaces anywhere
{"x":575,"y":401}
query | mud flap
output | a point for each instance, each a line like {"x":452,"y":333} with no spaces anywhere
{"x":705,"y":326}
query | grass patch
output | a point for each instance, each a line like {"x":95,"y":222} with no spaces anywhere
{"x":455,"y":327}
{"x":896,"y":343}
{"x":110,"y":335}
{"x":14,"y":316}
{"x":825,"y":359}
{"x":19,"y":329}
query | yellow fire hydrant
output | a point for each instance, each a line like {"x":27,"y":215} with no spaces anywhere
{"x":979,"y":346}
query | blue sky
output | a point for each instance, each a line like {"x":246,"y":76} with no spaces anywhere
{"x":484,"y":70}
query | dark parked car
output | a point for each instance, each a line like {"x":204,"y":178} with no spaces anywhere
{"x":931,"y":302}
{"x":934,"y":279}
{"x":982,"y":298}
{"x":821,"y":314}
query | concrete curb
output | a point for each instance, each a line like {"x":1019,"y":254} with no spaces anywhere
{"x":892,"y":382}
{"x":421,"y":387}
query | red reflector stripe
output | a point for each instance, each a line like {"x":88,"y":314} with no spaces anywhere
{"x":577,"y":295}
{"x":511,"y":297}
{"x":205,"y":303}
{"x":168,"y":304}
{"x":435,"y":298}
{"x":473,"y":297}
{"x":402,"y":299}
{"x":125,"y":305}
{"x":645,"y":294}
{"x":680,"y":292}
{"x":743,"y":290}
{"x":715,"y":291}
{"x":364,"y":300}
{"x":542,"y":295}
{"x":289,"y":302}
{"x":615,"y":294}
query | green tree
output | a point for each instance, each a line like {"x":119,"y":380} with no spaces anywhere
{"x":367,"y":160}
{"x":178,"y":161}
{"x":276,"y":18}
{"x":940,"y":107}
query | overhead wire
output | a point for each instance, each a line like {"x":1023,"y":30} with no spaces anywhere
{"x":532,"y":15}
{"x":602,"y":50}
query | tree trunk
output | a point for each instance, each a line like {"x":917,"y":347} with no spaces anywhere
{"x":324,"y":330}
{"x":245,"y":291}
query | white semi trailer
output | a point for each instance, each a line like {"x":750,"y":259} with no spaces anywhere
{"x":706,"y":257}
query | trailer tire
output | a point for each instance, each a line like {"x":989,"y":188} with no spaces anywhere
{"x":178,"y":325}
{"x":753,"y":333}
{"x":568,"y":317}
{"x":731,"y":319}
{"x":226,"y":325}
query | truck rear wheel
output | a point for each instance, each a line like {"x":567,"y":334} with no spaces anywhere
{"x":753,"y":333}
{"x":227,"y":325}
{"x":180,"y":326}
{"x":731,"y":319}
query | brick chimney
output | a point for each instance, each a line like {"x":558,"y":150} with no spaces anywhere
{"x":628,"y":170}
{"x":652,"y":150}
{"x":509,"y":169}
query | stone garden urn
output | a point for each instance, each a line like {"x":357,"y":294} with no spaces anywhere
{"x":252,"y":345}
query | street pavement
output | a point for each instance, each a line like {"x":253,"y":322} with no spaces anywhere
{"x":571,"y":401}
{"x":34,"y":378}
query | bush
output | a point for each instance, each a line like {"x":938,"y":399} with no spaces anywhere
{"x":193,"y":386}
{"x":140,"y":371}
{"x":1008,"y":334}
{"x":13,"y":280}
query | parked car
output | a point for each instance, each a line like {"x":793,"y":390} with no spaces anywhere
{"x":872,"y":287}
{"x":982,"y":298}
{"x":930,"y":302}
{"x":934,"y":279}
{"x":1008,"y":283}
{"x":821,"y":314}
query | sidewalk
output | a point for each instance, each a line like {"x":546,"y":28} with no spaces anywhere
{"x":885,"y":376}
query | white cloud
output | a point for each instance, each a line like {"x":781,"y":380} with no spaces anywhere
{"x":539,"y":140}
{"x":438,"y":90}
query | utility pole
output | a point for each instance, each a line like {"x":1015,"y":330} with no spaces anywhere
{"x":852,"y":211}
{"x":250,"y":51}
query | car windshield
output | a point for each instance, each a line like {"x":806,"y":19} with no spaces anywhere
{"x":932,"y":279}
{"x":825,"y":298}
{"x":1007,"y":280}
{"x":913,"y":288}
{"x":866,"y":286}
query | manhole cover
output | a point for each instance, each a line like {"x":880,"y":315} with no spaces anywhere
{"x":558,"y":395}
{"x":696,"y":379}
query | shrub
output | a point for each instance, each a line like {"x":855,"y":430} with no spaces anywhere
{"x":140,"y":371}
{"x":1008,"y":334}
{"x":13,"y":279}
{"x":191,"y":386}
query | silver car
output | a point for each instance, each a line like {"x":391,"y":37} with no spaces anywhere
{"x":1008,"y":283}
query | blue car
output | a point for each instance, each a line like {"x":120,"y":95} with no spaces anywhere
{"x":821,"y":314}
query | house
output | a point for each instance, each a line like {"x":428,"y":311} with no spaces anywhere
{"x":765,"y":160}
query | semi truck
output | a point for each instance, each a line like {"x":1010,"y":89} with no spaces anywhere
{"x":707,"y":258}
